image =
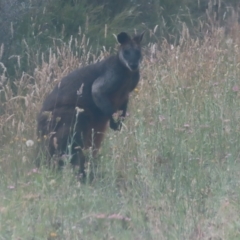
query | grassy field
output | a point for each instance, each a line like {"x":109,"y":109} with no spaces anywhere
{"x":173,"y":172}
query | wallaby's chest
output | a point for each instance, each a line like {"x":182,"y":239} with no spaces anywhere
{"x":119,"y":96}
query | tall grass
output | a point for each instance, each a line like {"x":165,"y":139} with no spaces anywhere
{"x":171,"y":173}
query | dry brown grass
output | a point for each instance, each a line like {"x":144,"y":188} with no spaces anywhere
{"x":173,"y":171}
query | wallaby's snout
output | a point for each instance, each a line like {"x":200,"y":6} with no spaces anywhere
{"x":134,"y":66}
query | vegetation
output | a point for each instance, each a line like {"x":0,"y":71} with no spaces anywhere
{"x":28,"y":27}
{"x":171,"y":173}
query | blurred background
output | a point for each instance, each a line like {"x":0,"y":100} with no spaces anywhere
{"x":33,"y":24}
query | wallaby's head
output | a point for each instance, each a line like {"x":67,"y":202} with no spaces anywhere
{"x":130,"y":50}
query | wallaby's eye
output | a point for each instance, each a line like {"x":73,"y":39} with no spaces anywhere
{"x":126,"y":53}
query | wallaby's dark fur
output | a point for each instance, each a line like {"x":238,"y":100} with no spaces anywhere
{"x":100,"y":89}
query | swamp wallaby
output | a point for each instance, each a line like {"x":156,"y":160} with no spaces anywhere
{"x":75,"y":115}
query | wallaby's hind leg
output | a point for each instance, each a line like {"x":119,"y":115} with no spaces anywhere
{"x":80,"y":132}
{"x":88,"y":135}
{"x":78,"y":159}
{"x":94,"y":134}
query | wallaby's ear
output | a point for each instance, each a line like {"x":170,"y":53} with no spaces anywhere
{"x":123,"y":38}
{"x":138,"y":38}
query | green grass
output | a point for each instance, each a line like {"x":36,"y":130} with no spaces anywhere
{"x":172,"y":173}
